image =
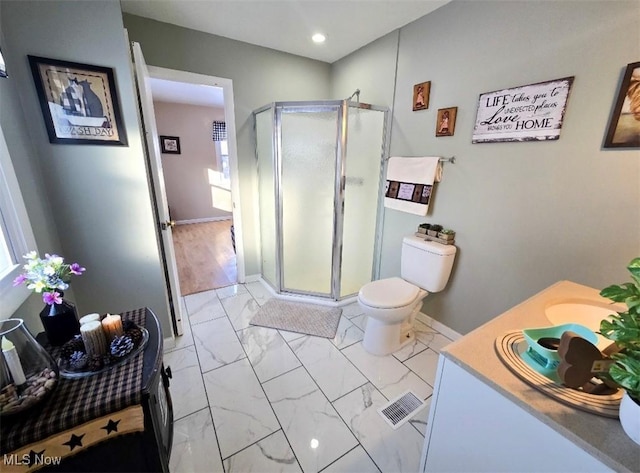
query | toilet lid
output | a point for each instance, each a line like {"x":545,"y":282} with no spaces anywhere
{"x":388,"y":293}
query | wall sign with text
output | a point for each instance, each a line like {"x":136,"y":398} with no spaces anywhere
{"x":528,"y":113}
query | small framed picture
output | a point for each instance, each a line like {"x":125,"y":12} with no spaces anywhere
{"x":3,"y":68}
{"x":624,"y":129}
{"x":170,"y":144}
{"x":421,"y":96}
{"x":446,"y":121}
{"x":79,"y":102}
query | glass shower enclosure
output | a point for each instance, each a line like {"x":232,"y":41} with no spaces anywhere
{"x":320,"y":189}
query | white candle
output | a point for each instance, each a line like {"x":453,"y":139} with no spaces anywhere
{"x":93,"y":338}
{"x":112,"y":326}
{"x":13,"y":361}
{"x":90,"y":318}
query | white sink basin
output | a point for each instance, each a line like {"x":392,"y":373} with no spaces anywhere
{"x":583,"y":312}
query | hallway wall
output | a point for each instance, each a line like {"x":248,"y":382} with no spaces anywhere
{"x":190,"y":177}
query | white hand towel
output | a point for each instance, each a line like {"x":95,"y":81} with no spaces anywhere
{"x":410,"y":183}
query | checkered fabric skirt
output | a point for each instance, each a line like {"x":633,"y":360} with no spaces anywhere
{"x":76,"y":401}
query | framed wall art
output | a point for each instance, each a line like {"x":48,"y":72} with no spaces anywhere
{"x":421,"y":96}
{"x":170,"y":144}
{"x":446,"y":121}
{"x":3,"y":67}
{"x":624,"y":127}
{"x":528,"y":113}
{"x":79,"y":102}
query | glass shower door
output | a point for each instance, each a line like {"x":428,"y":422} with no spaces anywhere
{"x":308,"y":166}
{"x":266,"y":189}
{"x":365,"y":141}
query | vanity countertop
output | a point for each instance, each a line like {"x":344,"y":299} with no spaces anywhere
{"x":601,"y":437}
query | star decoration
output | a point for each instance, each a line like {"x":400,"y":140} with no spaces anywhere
{"x":34,"y":457}
{"x":111,"y":426}
{"x":74,"y":441}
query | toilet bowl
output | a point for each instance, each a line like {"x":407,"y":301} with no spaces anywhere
{"x":391,"y":304}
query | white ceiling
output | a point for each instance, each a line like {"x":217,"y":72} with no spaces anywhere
{"x":284,"y":25}
{"x":183,"y":92}
{"x":287,"y":25}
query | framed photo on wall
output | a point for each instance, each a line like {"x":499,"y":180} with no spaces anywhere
{"x":79,"y":102}
{"x":446,"y":121}
{"x":624,"y":128}
{"x":170,"y":144}
{"x":3,"y":67}
{"x":421,"y":96}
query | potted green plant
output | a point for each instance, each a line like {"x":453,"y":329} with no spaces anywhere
{"x":446,"y":234}
{"x":434,"y":229}
{"x":423,"y":227}
{"x":624,"y":329}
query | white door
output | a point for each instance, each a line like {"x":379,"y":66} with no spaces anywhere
{"x":157,"y":179}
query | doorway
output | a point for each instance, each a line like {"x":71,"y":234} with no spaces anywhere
{"x":201,"y":181}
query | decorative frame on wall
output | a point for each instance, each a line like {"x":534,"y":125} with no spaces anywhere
{"x":170,"y":144}
{"x":421,"y":96}
{"x":3,"y":67}
{"x":531,"y":112}
{"x":79,"y":102}
{"x":446,"y":121}
{"x":624,"y":127}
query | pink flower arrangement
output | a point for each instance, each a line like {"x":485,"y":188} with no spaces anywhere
{"x":49,"y":276}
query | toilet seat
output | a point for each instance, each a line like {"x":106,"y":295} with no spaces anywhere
{"x":388,"y":293}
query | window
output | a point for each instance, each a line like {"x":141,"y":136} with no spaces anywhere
{"x":16,"y":236}
{"x":224,"y":160}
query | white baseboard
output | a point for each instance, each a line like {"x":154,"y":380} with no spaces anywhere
{"x":439,"y":326}
{"x":301,"y":297}
{"x":252,"y":278}
{"x":203,"y":220}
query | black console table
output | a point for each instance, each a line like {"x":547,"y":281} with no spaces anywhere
{"x":88,"y":426}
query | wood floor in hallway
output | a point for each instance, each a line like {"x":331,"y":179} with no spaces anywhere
{"x":205,"y":256}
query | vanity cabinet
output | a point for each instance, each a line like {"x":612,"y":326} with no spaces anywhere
{"x":474,"y":428}
{"x":484,"y":418}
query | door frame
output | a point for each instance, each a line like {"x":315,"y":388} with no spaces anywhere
{"x":229,"y":116}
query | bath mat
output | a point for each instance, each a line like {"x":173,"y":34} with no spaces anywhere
{"x":309,"y":319}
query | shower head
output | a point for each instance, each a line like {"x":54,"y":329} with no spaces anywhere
{"x":357,"y":94}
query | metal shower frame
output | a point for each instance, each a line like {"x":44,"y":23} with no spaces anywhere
{"x":342,"y":107}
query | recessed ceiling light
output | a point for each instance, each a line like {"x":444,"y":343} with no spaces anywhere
{"x":318,"y":38}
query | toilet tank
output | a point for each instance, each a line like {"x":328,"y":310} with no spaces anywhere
{"x":427,"y":264}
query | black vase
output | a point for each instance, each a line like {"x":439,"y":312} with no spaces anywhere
{"x":60,"y":322}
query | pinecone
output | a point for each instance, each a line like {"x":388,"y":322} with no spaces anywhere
{"x":135,"y":334}
{"x":109,"y":359}
{"x":121,"y":346}
{"x":128,"y":324}
{"x":72,"y":346}
{"x":95,"y":363}
{"x":78,"y":360}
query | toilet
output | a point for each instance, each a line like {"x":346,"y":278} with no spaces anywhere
{"x":391,"y":304}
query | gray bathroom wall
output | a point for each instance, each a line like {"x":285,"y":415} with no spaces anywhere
{"x":526,"y":214}
{"x":371,"y":69}
{"x":21,"y":149}
{"x":94,"y":198}
{"x":260,"y":76}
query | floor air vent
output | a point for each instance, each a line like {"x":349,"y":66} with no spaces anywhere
{"x":399,"y":410}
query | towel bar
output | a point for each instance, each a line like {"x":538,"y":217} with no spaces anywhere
{"x":451,"y":160}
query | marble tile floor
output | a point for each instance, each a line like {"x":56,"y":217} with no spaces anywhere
{"x":254,"y":399}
